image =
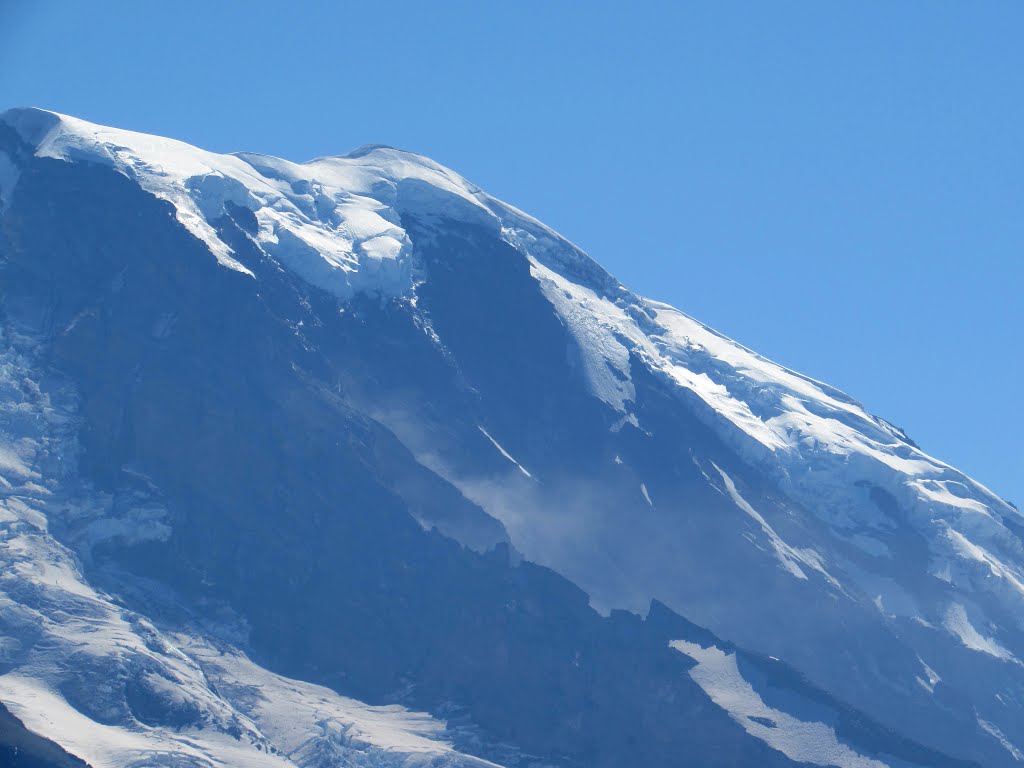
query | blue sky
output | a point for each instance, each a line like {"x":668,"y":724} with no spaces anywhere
{"x":839,"y":186}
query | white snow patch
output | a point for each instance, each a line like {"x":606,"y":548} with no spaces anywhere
{"x":991,"y":565}
{"x":931,"y":677}
{"x":503,"y":452}
{"x":595,"y":323}
{"x":788,"y":557}
{"x":643,"y":490}
{"x":718,"y":674}
{"x":997,"y":734}
{"x":297,"y":717}
{"x":959,"y":625}
{"x":942,"y":492}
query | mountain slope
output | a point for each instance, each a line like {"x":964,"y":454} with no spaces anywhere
{"x":375,"y":430}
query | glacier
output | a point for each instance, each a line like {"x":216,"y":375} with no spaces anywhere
{"x":216,"y":362}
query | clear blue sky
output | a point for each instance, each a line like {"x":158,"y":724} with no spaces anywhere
{"x":839,"y":185}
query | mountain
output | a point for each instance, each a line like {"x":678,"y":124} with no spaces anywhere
{"x":347,"y":463}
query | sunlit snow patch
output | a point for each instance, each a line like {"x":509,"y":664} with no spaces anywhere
{"x":959,"y":624}
{"x":816,"y":743}
{"x":503,"y":452}
{"x":647,"y":496}
{"x":788,"y":557}
{"x":992,"y":730}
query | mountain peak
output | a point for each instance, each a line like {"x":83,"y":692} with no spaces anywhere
{"x":336,"y":221}
{"x":459,"y":493}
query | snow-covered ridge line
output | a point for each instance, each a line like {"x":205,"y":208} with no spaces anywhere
{"x":334,"y":221}
{"x":854,"y":472}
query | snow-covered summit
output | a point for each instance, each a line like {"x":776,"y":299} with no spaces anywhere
{"x":335,"y":221}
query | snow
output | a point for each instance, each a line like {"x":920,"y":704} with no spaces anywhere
{"x":647,"y":496}
{"x":594,"y":321}
{"x":816,"y":443}
{"x":970,"y":551}
{"x":931,"y":677}
{"x":992,"y":730}
{"x":44,"y":711}
{"x":942,"y":492}
{"x":334,"y":221}
{"x":959,"y":624}
{"x":846,"y":473}
{"x":503,"y":452}
{"x":801,"y":740}
{"x":163,"y":167}
{"x":788,"y":557}
{"x":273,"y":714}
{"x":337,"y":221}
{"x":315,"y":218}
{"x":298,"y":717}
